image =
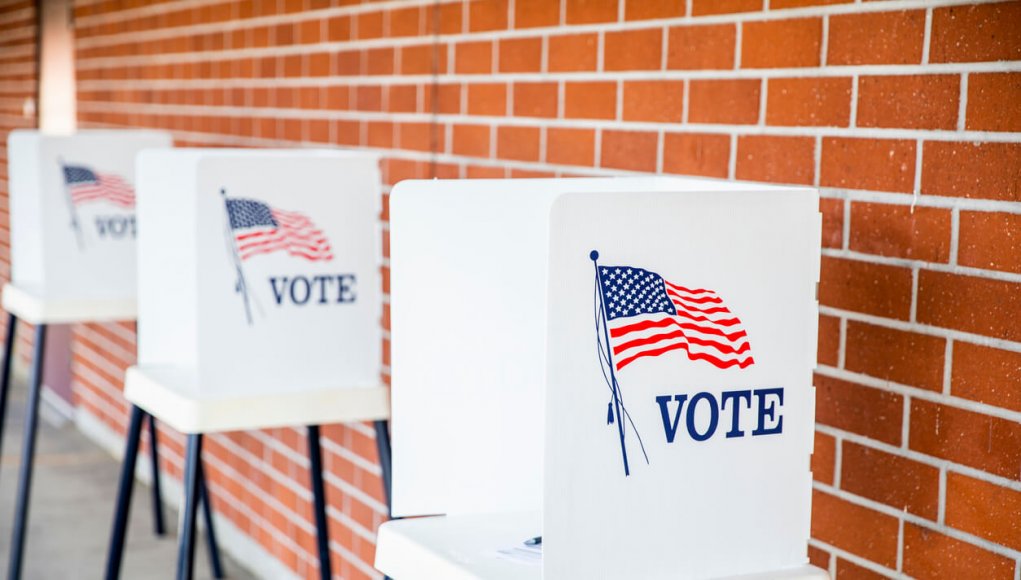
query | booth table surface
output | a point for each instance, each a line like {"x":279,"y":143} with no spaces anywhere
{"x":465,"y":547}
{"x":172,"y":396}
{"x":31,"y":306}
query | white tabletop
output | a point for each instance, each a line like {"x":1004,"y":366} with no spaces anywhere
{"x":172,"y":395}
{"x":466,"y":547}
{"x":457,"y":547}
{"x":32,"y":306}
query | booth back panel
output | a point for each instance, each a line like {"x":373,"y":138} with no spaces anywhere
{"x":73,"y":208}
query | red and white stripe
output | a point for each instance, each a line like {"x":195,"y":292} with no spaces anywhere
{"x":295,"y":234}
{"x":703,"y":327}
{"x":108,"y":187}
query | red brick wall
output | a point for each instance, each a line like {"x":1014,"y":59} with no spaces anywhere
{"x":906,"y":113}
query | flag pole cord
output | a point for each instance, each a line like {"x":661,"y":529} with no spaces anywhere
{"x":71,"y":208}
{"x":594,"y":255}
{"x":241,"y":284}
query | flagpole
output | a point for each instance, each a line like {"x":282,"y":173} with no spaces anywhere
{"x":70,"y":206}
{"x":241,"y":284}
{"x":609,"y":359}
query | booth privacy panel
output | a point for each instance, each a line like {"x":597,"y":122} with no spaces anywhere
{"x":470,"y":268}
{"x":679,"y":398}
{"x":73,"y":212}
{"x":260,"y":268}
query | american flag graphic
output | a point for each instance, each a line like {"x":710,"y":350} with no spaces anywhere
{"x":261,"y":229}
{"x":648,"y":316}
{"x":86,"y":185}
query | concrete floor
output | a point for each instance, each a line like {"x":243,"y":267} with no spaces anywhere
{"x":74,"y":486}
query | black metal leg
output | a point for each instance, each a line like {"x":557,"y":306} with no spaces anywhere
{"x":115,"y":555}
{"x":383,"y":447}
{"x":186,"y":547}
{"x":5,"y":381}
{"x":157,"y":495}
{"x":27,"y":456}
{"x":315,"y":456}
{"x":207,"y":515}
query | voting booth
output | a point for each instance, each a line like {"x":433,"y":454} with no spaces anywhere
{"x":73,"y":230}
{"x":73,"y":224}
{"x":621,"y":367}
{"x":259,"y":303}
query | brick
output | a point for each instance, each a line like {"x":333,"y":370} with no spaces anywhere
{"x":903,"y":357}
{"x":634,"y":150}
{"x":929,"y":554}
{"x":970,"y":304}
{"x":973,"y":170}
{"x":976,"y":33}
{"x":473,"y":57}
{"x":472,"y":140}
{"x":776,"y":159}
{"x":633,"y":50}
{"x":832,"y":222}
{"x":518,"y":143}
{"x":993,"y":102}
{"x":781,"y":43}
{"x":420,"y":137}
{"x":591,"y":11}
{"x":590,"y":100}
{"x":703,"y":7}
{"x":898,"y":231}
{"x":859,"y":530}
{"x":908,"y":101}
{"x":818,"y":558}
{"x":990,"y":240}
{"x":406,"y":21}
{"x":570,"y":146}
{"x":402,"y":99}
{"x":876,"y":38}
{"x":895,"y":481}
{"x":701,"y":47}
{"x":487,"y":99}
{"x":419,"y":60}
{"x":984,"y":509}
{"x":573,"y":53}
{"x":847,"y":570}
{"x":820,"y":102}
{"x":823,"y":458}
{"x":533,"y":13}
{"x":647,"y":9}
{"x":875,"y":289}
{"x":986,"y":374}
{"x":520,"y":55}
{"x":653,"y":101}
{"x":535,"y":99}
{"x":446,"y":99}
{"x":828,"y":348}
{"x":724,"y":101}
{"x":980,"y":441}
{"x":487,"y":15}
{"x":778,"y":4}
{"x":450,"y":19}
{"x":874,"y":164}
{"x":369,"y":25}
{"x":705,"y":154}
{"x":858,"y":409}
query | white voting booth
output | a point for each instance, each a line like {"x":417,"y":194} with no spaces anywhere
{"x":258,"y":278}
{"x":621,"y":366}
{"x":73,"y":223}
{"x":72,"y":209}
{"x":259,"y":306}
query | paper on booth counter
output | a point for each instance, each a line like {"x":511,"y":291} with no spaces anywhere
{"x":531,"y":555}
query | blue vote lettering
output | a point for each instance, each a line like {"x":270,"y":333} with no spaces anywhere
{"x":301,"y":290}
{"x":115,"y":226}
{"x":767,"y":404}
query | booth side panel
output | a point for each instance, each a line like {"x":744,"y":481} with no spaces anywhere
{"x":167,"y":275}
{"x":27,"y":240}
